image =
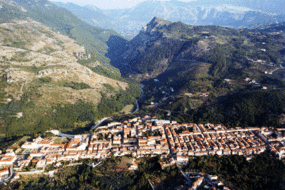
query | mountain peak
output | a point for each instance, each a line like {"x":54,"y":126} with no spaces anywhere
{"x":156,"y":22}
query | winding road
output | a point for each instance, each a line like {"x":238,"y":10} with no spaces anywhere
{"x":137,"y":104}
{"x":106,"y":118}
{"x":58,"y":133}
{"x":99,"y":123}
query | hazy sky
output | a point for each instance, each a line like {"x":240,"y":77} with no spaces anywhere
{"x":109,"y":4}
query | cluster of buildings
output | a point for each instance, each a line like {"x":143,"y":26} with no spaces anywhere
{"x":210,"y":181}
{"x":144,"y":136}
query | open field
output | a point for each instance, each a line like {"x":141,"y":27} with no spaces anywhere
{"x":128,"y":109}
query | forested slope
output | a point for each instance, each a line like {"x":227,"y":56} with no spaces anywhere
{"x":54,"y":72}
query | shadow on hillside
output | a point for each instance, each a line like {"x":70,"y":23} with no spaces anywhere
{"x":116,"y":47}
{"x":79,"y":130}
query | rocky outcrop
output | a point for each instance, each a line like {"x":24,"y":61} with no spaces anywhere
{"x":148,"y":34}
{"x":81,"y":55}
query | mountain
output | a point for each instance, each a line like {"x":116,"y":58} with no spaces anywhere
{"x":97,"y":17}
{"x":62,"y":20}
{"x":90,"y":14}
{"x":209,"y":73}
{"x":177,"y":51}
{"x":55,"y":71}
{"x":263,"y":5}
{"x":128,"y":22}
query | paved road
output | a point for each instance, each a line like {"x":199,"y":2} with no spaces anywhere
{"x":186,"y":177}
{"x":150,"y":184}
{"x":66,"y":135}
{"x":137,"y":109}
{"x":99,"y":123}
{"x":104,"y":119}
{"x":56,"y":132}
{"x":137,"y":104}
{"x":34,"y":172}
{"x":94,"y":166}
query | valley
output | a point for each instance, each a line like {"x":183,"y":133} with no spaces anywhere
{"x":163,"y":95}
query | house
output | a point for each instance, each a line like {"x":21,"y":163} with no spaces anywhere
{"x":194,"y":186}
{"x":41,"y":163}
{"x":220,"y":183}
{"x":181,"y":158}
{"x":16,"y":177}
{"x":213,"y":177}
{"x":7,"y":160}
{"x":200,"y":181}
{"x":58,"y":164}
{"x":133,"y":167}
{"x":4,"y":172}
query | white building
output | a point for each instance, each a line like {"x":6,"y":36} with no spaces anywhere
{"x":7,"y":160}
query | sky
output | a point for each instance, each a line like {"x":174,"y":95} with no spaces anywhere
{"x":109,"y":4}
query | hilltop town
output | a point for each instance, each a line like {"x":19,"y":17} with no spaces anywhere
{"x":144,"y":136}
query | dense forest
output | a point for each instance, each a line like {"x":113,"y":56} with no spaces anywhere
{"x":261,"y":108}
{"x":264,"y":171}
{"x":63,"y":117}
{"x":253,"y":108}
{"x":244,"y":107}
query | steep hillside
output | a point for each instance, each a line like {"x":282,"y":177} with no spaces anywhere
{"x":94,"y":39}
{"x":168,"y":49}
{"x":96,"y":17}
{"x":187,"y":69}
{"x":49,"y":80}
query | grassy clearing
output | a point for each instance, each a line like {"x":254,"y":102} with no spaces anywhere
{"x":128,"y":109}
{"x":59,"y":140}
{"x":125,"y":162}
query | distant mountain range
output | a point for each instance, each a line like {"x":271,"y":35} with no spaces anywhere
{"x":128,"y":22}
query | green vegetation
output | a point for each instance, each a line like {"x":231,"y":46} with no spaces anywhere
{"x":65,"y":117}
{"x":20,"y":45}
{"x":128,"y":109}
{"x":117,"y":102}
{"x":104,"y":69}
{"x":19,"y":57}
{"x":59,"y":116}
{"x":207,"y":67}
{"x":261,"y":108}
{"x":193,"y":52}
{"x":76,"y":85}
{"x":109,"y":87}
{"x":113,"y":174}
{"x":264,"y":171}
{"x":94,"y":39}
{"x":45,"y":79}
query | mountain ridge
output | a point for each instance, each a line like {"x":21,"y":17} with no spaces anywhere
{"x":155,"y":47}
{"x":219,"y":14}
